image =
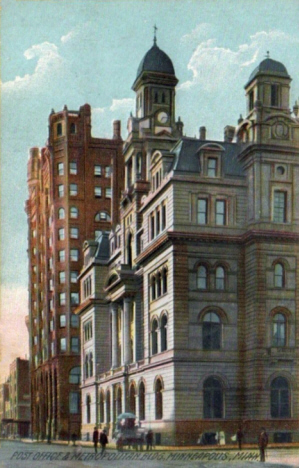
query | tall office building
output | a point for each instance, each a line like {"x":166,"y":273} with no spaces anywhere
{"x":70,"y":184}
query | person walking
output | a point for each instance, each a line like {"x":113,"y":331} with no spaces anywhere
{"x":263,"y":442}
{"x":95,"y":439}
{"x":240,"y":436}
{"x":103,"y":441}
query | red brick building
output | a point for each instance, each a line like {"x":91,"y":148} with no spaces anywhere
{"x":70,"y":184}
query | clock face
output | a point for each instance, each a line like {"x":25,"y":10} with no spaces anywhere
{"x":162,"y":117}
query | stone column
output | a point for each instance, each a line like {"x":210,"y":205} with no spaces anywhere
{"x":113,"y":310}
{"x":126,"y":331}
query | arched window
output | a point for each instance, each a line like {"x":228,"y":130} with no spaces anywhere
{"x":101,"y":407}
{"x":132,"y":398}
{"x":280,"y":398}
{"x":118,"y":401}
{"x":154,"y":337}
{"x":164,"y":333}
{"x":279,"y":276}
{"x":74,"y":212}
{"x":61,"y":213}
{"x":211,"y":331}
{"x":164,"y":280}
{"x":102,"y":216}
{"x":158,"y":399}
{"x":75,"y":375}
{"x":202,"y":277}
{"x":108,"y":406}
{"x":220,"y":278}
{"x":279,"y":330}
{"x":141,"y":401}
{"x":212,"y":399}
{"x":90,"y":365}
{"x":88,"y":401}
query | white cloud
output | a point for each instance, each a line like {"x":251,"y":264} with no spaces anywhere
{"x":126,"y":104}
{"x":67,"y":37}
{"x":49,"y":64}
{"x":14,"y":337}
{"x":200,"y":31}
{"x":213,"y":66}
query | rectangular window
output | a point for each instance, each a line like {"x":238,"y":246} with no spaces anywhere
{"x":60,"y":190}
{"x":202,"y":211}
{"x":220,"y":212}
{"x":74,"y":298}
{"x":74,"y":276}
{"x":152,"y":226}
{"x":212,"y":167}
{"x":62,"y":299}
{"x":279,"y":208}
{"x":73,"y":168}
{"x":51,"y":325}
{"x":274,"y":95}
{"x":74,"y":212}
{"x":61,"y":234}
{"x":62,"y":277}
{"x":74,"y":233}
{"x":97,"y":170}
{"x":108,"y":192}
{"x":62,"y":321}
{"x":74,"y":255}
{"x":158,"y":221}
{"x":107,"y":171}
{"x":60,"y":169}
{"x":73,"y":189}
{"x":74,"y":402}
{"x":62,"y":344}
{"x":97,"y":191}
{"x":61,"y":255}
{"x":74,"y":321}
{"x":75,"y":345}
{"x":163,"y":219}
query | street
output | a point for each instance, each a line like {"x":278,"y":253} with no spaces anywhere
{"x":15,"y":454}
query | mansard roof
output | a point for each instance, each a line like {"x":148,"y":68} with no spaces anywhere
{"x":187,"y":156}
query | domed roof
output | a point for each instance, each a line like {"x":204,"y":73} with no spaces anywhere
{"x":156,"y":60}
{"x":269,"y":66}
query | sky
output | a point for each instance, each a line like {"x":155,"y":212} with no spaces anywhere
{"x":57,"y":52}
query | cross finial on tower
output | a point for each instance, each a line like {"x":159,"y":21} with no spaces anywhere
{"x":268,"y":54}
{"x":155,"y":34}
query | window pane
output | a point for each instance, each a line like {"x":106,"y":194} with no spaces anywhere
{"x":202,"y":277}
{"x":74,"y":212}
{"x":74,"y":402}
{"x":212,"y":165}
{"x":74,"y":276}
{"x":97,"y":170}
{"x":278,"y":275}
{"x":61,"y":213}
{"x":108,"y":192}
{"x":279,"y":211}
{"x":74,"y":321}
{"x":73,"y":189}
{"x":74,"y":233}
{"x":61,"y":255}
{"x":60,"y":169}
{"x":220,"y":213}
{"x":73,"y":168}
{"x":220,"y":278}
{"x":62,"y":320}
{"x":60,"y":190}
{"x":74,"y":255}
{"x":62,"y":344}
{"x":202,"y":211}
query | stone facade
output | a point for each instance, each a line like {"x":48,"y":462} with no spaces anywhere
{"x":202,"y":279}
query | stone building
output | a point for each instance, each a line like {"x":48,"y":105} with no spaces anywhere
{"x":70,"y":182}
{"x":15,"y":411}
{"x":202,"y":279}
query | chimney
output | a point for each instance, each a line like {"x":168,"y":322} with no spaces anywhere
{"x":116,"y":130}
{"x":202,"y":133}
{"x":229,"y":132}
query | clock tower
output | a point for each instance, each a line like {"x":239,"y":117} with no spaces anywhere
{"x":155,"y":91}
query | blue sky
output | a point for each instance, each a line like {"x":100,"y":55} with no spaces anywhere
{"x":57,"y":52}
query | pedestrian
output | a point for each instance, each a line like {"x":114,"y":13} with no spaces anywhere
{"x":149,"y":440}
{"x":263,"y":442}
{"x":103,"y":441}
{"x":95,"y":439}
{"x":240,"y":436}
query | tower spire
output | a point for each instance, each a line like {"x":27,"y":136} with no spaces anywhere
{"x":155,"y":35}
